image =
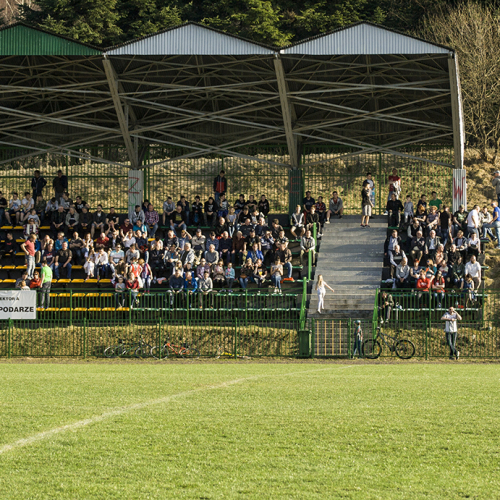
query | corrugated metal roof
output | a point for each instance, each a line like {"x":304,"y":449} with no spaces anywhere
{"x":190,"y":39}
{"x":19,"y":39}
{"x":364,"y":38}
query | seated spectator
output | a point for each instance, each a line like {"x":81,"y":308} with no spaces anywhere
{"x":30,"y":228}
{"x":461,"y":244}
{"x":156,"y":260}
{"x":63,"y":261}
{"x":239,"y":247}
{"x":72,"y":220}
{"x":126,"y":227}
{"x":418,"y":247}
{"x":440,"y":256}
{"x":473,"y":221}
{"x":431,"y":243}
{"x":473,"y":269}
{"x":285,"y":256}
{"x":223,"y":206}
{"x":202,"y":268}
{"x":36,"y":282}
{"x":414,"y":274}
{"x":321,"y":209}
{"x":255,"y":254}
{"x":259,"y":273}
{"x":336,"y":207}
{"x":460,"y":220}
{"x":14,"y":210}
{"x":171,"y":239}
{"x":89,"y":266}
{"x":394,"y":209}
{"x":252,"y":239}
{"x":245,"y":273}
{"x":172,"y":258}
{"x":395,"y":258}
{"x":246,"y":227}
{"x":176,"y":285}
{"x":89,"y":244}
{"x":474,"y":245}
{"x":99,"y":221}
{"x":251,"y":203}
{"x":24,"y":278}
{"x":221,"y":227}
{"x":184,"y":204}
{"x":263,"y":205}
{"x":445,"y":225}
{"x":456,"y":273}
{"x":142,"y":244}
{"x":115,"y":256}
{"x":453,"y":254}
{"x":494,"y":223}
{"x":24,"y":286}
{"x":65,"y":201}
{"x":422,"y":201}
{"x":86,"y":220}
{"x":32,"y":215}
{"x":120,"y":295}
{"x":131,"y":254}
{"x":205,"y":287}
{"x":178,"y":220}
{"x":27,"y":204}
{"x":390,"y":243}
{"x":230,"y":275}
{"x":298,"y":223}
{"x":101,"y":260}
{"x":9,"y":248}
{"x":138,"y":218}
{"x":187,"y":255}
{"x":61,"y":239}
{"x":168,"y":210}
{"x":151,"y":220}
{"x":438,"y":286}
{"x":190,"y":285}
{"x":387,"y":306}
{"x":402,"y":274}
{"x":211,"y":255}
{"x":231,"y":221}
{"x":408,"y":210}
{"x":210,"y":212}
{"x":58,"y":220}
{"x":261,"y":227}
{"x":128,"y":239}
{"x":243,"y":215}
{"x":225,"y":247}
{"x":281,"y":239}
{"x":184,"y":237}
{"x":430,"y":269}
{"x":276,"y":274}
{"x":312,"y":220}
{"x":266,"y":246}
{"x":112,"y":219}
{"x":307,"y":246}
{"x":421,"y":216}
{"x":196,"y":212}
{"x":423,"y":285}
{"x":218,"y":275}
{"x":77,"y":246}
{"x":308,"y":202}
{"x":52,"y":206}
{"x":275,"y":228}
{"x":433,"y":221}
{"x":468,"y":287}
{"x":240,"y":204}
{"x":146,"y":275}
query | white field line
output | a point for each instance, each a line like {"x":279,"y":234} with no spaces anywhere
{"x":137,"y":406}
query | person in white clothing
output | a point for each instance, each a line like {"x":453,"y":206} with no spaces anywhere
{"x":473,"y":268}
{"x":321,"y":287}
{"x":473,"y":221}
{"x":298,"y":223}
{"x":451,"y":317}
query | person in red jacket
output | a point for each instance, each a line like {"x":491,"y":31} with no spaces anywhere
{"x":423,"y":285}
{"x":133,"y":285}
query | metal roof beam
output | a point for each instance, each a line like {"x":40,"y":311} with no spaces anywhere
{"x":120,"y":113}
{"x":288,"y":111}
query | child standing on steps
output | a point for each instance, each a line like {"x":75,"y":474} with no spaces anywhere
{"x":321,"y":287}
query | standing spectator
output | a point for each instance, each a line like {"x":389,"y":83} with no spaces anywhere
{"x":358,"y":339}
{"x":408,"y":209}
{"x":495,"y":223}
{"x":307,"y":246}
{"x":230,"y":275}
{"x":3,"y":207}
{"x":276,"y":274}
{"x":120,"y":288}
{"x":28,"y":247}
{"x":63,"y":260}
{"x":473,"y":221}
{"x":205,"y":286}
{"x":298,"y":223}
{"x":168,"y":210}
{"x":210,"y":213}
{"x":37,"y":184}
{"x":386,"y":307}
{"x":367,"y":204}
{"x":152,"y":218}
{"x":14,"y":209}
{"x":336,"y":207}
{"x":321,"y":287}
{"x":450,"y":329}
{"x":394,"y":208}
{"x":308,"y":202}
{"x":371,"y":184}
{"x":220,"y":185}
{"x":99,"y":221}
{"x":445,"y":223}
{"x":46,"y":285}
{"x":60,"y":185}
{"x":435,"y":201}
{"x":496,"y":184}
{"x":264,"y":205}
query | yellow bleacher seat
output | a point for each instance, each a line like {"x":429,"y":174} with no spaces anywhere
{"x":9,"y":281}
{"x":106,"y":295}
{"x":123,"y":308}
{"x":18,"y":228}
{"x":64,"y":281}
{"x":65,"y":309}
{"x":8,"y":267}
{"x":95,"y":309}
{"x":21,"y":267}
{"x":45,"y":228}
{"x":108,"y":309}
{"x":78,"y":281}
{"x":80,"y":309}
{"x":77,"y":267}
{"x":93,"y":295}
{"x":79,"y":295}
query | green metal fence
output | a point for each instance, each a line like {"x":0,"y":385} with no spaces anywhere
{"x":86,"y":322}
{"x":327,"y":173}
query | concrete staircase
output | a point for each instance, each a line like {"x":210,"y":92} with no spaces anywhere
{"x":351,"y":261}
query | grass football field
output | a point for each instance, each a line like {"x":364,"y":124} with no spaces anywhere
{"x":249,"y":430}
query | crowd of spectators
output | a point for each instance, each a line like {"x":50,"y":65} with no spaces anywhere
{"x":240,"y":245}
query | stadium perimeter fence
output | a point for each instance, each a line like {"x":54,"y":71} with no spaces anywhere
{"x":259,"y":170}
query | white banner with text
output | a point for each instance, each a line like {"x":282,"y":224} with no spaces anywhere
{"x":17,"y":304}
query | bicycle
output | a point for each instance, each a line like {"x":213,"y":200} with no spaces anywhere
{"x":139,"y":349}
{"x":371,"y":348}
{"x":184,"y":351}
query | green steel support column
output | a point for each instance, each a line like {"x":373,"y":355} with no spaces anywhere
{"x":9,"y":340}
{"x":349,"y":326}
{"x":246,"y":306}
{"x":130,"y":309}
{"x":85,"y":338}
{"x":235,"y":338}
{"x":426,"y":341}
{"x":160,"y":328}
{"x":313,"y":346}
{"x":380,"y":185}
{"x":309,"y":266}
{"x":71,"y":307}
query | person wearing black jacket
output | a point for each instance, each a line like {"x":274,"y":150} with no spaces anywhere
{"x":210,"y":213}
{"x":312,"y":219}
{"x":263,"y":205}
{"x":57,"y":222}
{"x":9,"y":248}
{"x":37,"y":184}
{"x":394,"y":208}
{"x":220,"y":185}
{"x":196,"y":212}
{"x":99,"y":221}
{"x":60,"y":184}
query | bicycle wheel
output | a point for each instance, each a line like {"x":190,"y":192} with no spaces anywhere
{"x":190,"y":352}
{"x":110,"y":352}
{"x":371,"y":349}
{"x":143,"y":352}
{"x":159,"y":352}
{"x":405,"y":349}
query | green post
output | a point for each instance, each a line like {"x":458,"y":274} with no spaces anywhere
{"x":246,"y":306}
{"x":71,"y":307}
{"x":313,"y":342}
{"x":349,"y":326}
{"x":235,"y":338}
{"x":130,"y":308}
{"x":9,"y":340}
{"x":160,"y":328}
{"x":380,"y":183}
{"x":85,"y":338}
{"x":426,"y":341}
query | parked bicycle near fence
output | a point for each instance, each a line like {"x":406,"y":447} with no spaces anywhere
{"x":404,"y":348}
{"x":184,"y":351}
